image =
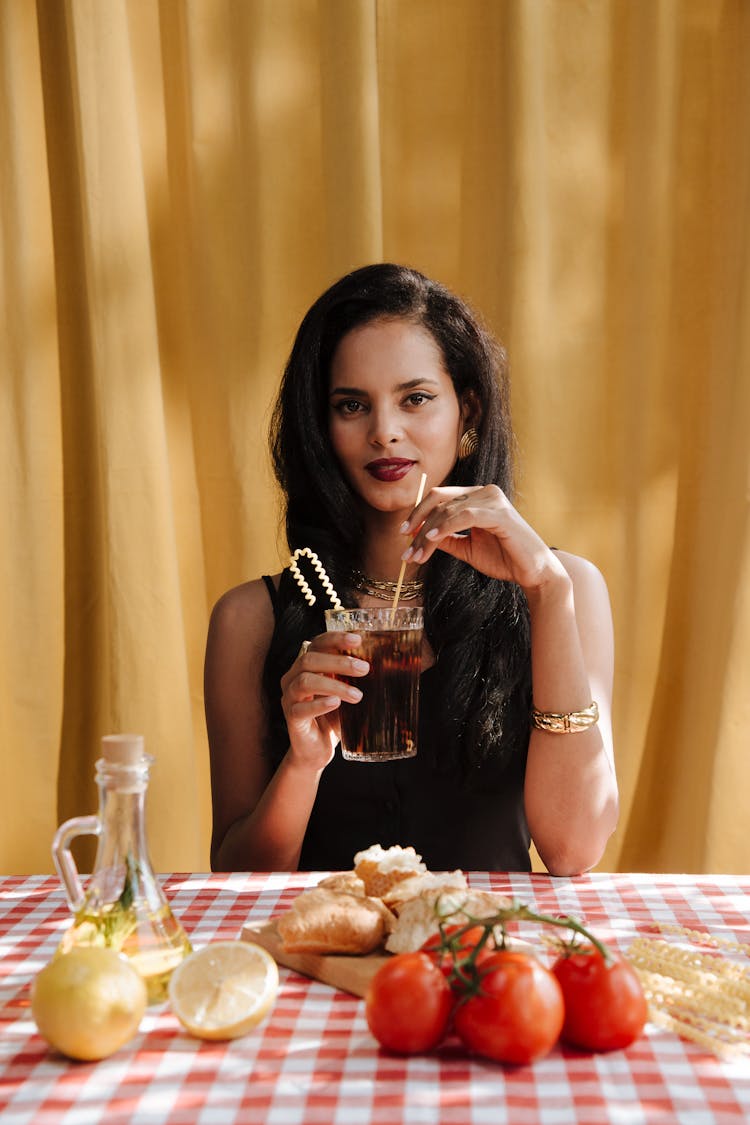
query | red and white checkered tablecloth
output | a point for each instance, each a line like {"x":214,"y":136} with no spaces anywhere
{"x":314,"y":1061}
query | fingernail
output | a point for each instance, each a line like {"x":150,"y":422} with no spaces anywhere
{"x":407,"y":554}
{"x":432,"y":533}
{"x":417,"y":555}
{"x":404,"y":527}
{"x":355,"y":694}
{"x":360,"y":666}
{"x":352,"y":639}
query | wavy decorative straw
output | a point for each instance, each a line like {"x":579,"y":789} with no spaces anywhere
{"x":321,"y":573}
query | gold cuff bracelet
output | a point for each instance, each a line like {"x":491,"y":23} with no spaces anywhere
{"x":565,"y":723}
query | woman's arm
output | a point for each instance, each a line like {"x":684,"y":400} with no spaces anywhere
{"x":570,"y":789}
{"x":259,"y":819}
{"x":259,"y":816}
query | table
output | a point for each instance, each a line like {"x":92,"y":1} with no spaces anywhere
{"x":314,"y":1061}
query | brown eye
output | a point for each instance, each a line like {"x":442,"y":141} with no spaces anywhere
{"x":348,"y":406}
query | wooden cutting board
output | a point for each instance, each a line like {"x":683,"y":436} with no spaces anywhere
{"x":348,"y":972}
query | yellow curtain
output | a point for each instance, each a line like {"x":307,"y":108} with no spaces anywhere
{"x":180,"y":179}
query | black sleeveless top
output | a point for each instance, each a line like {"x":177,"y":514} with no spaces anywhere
{"x":477,"y":823}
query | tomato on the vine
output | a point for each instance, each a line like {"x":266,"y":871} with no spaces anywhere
{"x":409,"y":1003}
{"x":605,"y":1008}
{"x":517,"y":1014}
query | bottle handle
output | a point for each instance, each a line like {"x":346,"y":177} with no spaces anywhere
{"x":64,"y":862}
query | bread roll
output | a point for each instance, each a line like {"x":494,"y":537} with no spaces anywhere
{"x":416,"y":885}
{"x":380,"y":869}
{"x":419,"y":917}
{"x":327,"y":921}
{"x":345,"y":882}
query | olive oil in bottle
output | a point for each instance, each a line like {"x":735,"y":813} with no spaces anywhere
{"x":123,"y":906}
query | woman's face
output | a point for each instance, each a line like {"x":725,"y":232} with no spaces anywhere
{"x":393,"y":412}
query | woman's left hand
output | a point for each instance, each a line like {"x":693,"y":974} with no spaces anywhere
{"x":570,"y":799}
{"x":500,"y":543}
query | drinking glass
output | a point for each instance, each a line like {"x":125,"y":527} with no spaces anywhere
{"x":383,"y":724}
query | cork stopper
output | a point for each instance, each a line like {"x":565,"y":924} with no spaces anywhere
{"x":123,"y":749}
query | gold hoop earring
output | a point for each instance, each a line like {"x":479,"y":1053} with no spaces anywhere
{"x":468,"y":444}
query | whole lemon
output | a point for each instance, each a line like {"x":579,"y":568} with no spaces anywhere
{"x":88,"y":1003}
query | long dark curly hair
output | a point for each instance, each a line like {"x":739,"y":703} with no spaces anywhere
{"x":477,"y":626}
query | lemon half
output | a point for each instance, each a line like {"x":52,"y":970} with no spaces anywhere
{"x":88,"y":1003}
{"x":224,"y":990}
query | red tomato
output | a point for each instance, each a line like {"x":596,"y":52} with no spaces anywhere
{"x":604,"y":1003}
{"x":517,"y":1015}
{"x":408,"y":1004}
{"x":461,"y":946}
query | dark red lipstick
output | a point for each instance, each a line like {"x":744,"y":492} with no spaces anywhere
{"x":387,"y":469}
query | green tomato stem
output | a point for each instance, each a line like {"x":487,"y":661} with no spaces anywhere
{"x":516,"y":912}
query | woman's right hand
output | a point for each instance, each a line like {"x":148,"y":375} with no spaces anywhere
{"x":312,"y":691}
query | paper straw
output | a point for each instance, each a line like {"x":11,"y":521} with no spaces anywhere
{"x":420,"y":494}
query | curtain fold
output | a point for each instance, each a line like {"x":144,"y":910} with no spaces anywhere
{"x":123,"y":610}
{"x":181,"y":178}
{"x":691,"y":769}
{"x":31,"y":460}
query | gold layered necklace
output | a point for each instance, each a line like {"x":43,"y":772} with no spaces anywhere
{"x":384,"y":589}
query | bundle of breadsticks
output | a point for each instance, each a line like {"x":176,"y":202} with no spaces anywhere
{"x":388,"y":900}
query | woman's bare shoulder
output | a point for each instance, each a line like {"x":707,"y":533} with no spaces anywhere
{"x":582,"y":571}
{"x":244,"y":614}
{"x":592,"y":601}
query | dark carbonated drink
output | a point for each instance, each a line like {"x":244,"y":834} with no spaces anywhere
{"x":383,"y":724}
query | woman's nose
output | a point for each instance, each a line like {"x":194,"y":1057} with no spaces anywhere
{"x":384,"y":427}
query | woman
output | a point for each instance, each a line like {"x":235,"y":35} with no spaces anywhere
{"x":391,"y":376}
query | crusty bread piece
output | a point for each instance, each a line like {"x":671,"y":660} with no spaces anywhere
{"x":327,"y":921}
{"x":380,"y":869}
{"x":416,"y":885}
{"x":419,"y":917}
{"x":345,"y":882}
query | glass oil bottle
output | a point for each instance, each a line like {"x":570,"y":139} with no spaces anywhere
{"x":123,"y":905}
